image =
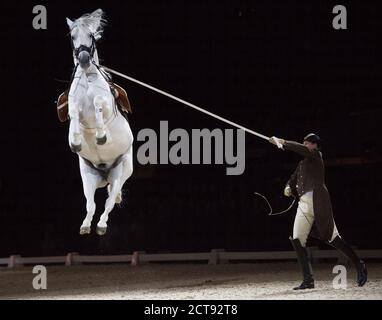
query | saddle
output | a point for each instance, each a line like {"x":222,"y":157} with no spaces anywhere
{"x":118,"y":92}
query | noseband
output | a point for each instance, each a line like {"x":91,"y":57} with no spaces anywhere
{"x":82,"y":47}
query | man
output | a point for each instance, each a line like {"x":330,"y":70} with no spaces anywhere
{"x":308,"y":184}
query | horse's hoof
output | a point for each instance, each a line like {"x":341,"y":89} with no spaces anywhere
{"x":84,"y":230}
{"x":101,"y":230}
{"x":101,"y":141}
{"x":75,"y":148}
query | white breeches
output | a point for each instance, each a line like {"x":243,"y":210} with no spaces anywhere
{"x":305,"y":218}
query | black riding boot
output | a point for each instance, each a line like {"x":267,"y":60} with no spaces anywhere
{"x":349,"y":253}
{"x":303,"y":260}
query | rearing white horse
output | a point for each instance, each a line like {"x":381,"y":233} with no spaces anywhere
{"x":98,"y":133}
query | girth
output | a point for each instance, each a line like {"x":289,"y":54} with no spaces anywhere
{"x":104,"y":172}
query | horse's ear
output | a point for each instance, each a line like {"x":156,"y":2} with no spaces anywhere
{"x":98,"y":23}
{"x":98,"y":15}
{"x":69,"y":22}
{"x":98,"y":12}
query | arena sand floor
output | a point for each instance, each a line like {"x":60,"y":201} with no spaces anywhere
{"x":249,"y":281}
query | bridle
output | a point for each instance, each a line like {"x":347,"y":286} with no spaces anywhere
{"x":76,"y":51}
{"x":90,"y":50}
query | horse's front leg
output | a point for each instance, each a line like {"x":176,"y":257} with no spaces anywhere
{"x":75,"y":137}
{"x":100,"y":105}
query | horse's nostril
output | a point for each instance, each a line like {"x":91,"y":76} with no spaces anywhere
{"x":84,"y":59}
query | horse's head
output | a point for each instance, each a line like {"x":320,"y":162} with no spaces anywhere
{"x":84,"y":32}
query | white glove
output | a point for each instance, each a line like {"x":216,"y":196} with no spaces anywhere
{"x":277,"y":141}
{"x":287,"y":191}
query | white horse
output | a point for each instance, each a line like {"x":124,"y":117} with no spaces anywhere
{"x":98,"y":133}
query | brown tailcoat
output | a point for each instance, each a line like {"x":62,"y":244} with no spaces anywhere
{"x":310,"y":176}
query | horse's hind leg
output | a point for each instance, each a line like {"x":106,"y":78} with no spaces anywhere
{"x":117,"y":178}
{"x":90,"y":181}
{"x":99,"y":105}
{"x":118,"y":199}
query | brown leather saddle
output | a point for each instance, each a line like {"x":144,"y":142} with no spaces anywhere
{"x":119,"y":93}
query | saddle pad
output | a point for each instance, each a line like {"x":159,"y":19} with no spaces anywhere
{"x":118,"y":92}
{"x":62,"y":107}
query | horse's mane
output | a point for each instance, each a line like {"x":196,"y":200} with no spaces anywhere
{"x":94,"y":23}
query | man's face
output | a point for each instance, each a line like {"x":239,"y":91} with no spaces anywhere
{"x":310,"y":145}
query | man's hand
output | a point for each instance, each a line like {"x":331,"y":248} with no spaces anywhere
{"x":277,"y":142}
{"x":287,"y":191}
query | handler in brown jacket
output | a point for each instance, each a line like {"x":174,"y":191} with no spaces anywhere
{"x":308,"y":184}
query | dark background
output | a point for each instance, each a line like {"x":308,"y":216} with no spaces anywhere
{"x":277,"y":67}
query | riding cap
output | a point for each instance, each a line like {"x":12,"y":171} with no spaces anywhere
{"x":313,"y":138}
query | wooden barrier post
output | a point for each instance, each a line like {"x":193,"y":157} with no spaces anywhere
{"x":14,"y":261}
{"x":70,"y":259}
{"x":135,"y":261}
{"x":215,"y":257}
